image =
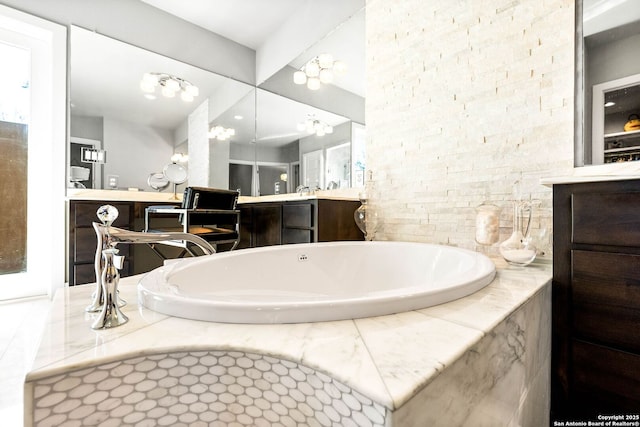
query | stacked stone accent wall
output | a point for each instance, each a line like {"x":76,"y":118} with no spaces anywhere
{"x":466,"y":100}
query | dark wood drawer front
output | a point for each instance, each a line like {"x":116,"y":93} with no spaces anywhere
{"x":85,"y":245}
{"x":296,"y":235}
{"x":86,"y":214}
{"x":605,"y":379}
{"x":606,"y":297}
{"x":298,"y":215}
{"x":606,"y":219}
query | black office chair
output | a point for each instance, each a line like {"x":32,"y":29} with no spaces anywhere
{"x":209,"y":213}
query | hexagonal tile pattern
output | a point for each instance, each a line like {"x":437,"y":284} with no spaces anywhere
{"x":207,"y":388}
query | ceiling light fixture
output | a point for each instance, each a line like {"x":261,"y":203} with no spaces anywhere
{"x":220,"y":133}
{"x":609,"y":104}
{"x":169,"y":86}
{"x":313,"y":125}
{"x":319,"y":70}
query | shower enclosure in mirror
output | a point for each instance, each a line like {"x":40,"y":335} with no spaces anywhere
{"x":608,"y":81}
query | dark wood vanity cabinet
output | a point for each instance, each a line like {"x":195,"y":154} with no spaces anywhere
{"x":82,"y":238}
{"x":261,"y":224}
{"x":596,"y":299}
{"x":304,"y":221}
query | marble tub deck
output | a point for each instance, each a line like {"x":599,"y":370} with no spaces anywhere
{"x":389,"y":359}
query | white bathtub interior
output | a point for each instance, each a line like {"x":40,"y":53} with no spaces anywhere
{"x":314,"y":282}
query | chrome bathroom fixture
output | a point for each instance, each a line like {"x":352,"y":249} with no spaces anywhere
{"x":107,"y":262}
{"x":110,"y":314}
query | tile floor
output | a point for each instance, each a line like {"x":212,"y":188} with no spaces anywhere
{"x":21,"y":324}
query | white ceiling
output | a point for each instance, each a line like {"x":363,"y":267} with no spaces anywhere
{"x":251,"y":22}
{"x":601,"y":15}
{"x":248,"y":22}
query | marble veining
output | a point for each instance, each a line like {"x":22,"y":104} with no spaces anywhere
{"x":489,"y":347}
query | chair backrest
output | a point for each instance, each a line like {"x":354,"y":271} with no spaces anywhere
{"x":209,"y":198}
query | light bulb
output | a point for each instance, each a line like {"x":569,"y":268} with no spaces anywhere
{"x":151,"y":79}
{"x":328,"y":129}
{"x":325,"y":60}
{"x":192,"y":90}
{"x":186,"y":96}
{"x":312,"y":69}
{"x":147,"y":86}
{"x":299,"y":77}
{"x":172,"y":84}
{"x":339,"y":67}
{"x":168,"y":92}
{"x":313,"y":83}
{"x":320,"y":132}
{"x":326,"y":76}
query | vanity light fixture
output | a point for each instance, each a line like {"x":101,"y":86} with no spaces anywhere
{"x":93,"y":155}
{"x":221,"y":133}
{"x":609,"y":104}
{"x":319,"y":70}
{"x":169,"y":86}
{"x":313,"y":125}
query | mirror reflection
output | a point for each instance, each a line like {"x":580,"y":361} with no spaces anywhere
{"x":270,"y":139}
{"x":611,"y":81}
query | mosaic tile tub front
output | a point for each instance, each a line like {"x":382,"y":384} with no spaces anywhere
{"x":205,"y":388}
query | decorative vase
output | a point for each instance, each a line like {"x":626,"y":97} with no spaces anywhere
{"x":518,"y":249}
{"x":487,"y":224}
{"x":365,"y":218}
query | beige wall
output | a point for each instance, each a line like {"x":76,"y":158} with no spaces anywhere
{"x":464,"y":98}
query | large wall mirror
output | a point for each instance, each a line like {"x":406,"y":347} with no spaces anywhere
{"x":608,"y":82}
{"x":274,"y":138}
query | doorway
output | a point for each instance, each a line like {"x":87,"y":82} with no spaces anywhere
{"x":32,"y":141}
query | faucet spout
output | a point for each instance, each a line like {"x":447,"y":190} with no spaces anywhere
{"x":114,"y":235}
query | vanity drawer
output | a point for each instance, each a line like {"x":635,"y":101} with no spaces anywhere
{"x":296,"y":235}
{"x":297,"y":215}
{"x":606,"y":219}
{"x":606,"y":297}
{"x":605,"y":379}
{"x":85,"y":214}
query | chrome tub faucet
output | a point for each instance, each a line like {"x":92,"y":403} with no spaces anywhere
{"x":107,"y":262}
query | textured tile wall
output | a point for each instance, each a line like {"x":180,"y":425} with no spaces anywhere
{"x":464,"y":99}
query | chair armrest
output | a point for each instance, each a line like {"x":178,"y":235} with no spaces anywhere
{"x":211,"y":211}
{"x":165,"y":210}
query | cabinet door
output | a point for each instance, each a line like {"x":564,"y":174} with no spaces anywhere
{"x":336,"y":222}
{"x":267,"y":224}
{"x":604,"y":380}
{"x":606,"y":298}
{"x":246,"y":227}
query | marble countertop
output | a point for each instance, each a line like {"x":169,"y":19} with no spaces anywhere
{"x":597,"y":173}
{"x":147,"y":196}
{"x":388,"y":358}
